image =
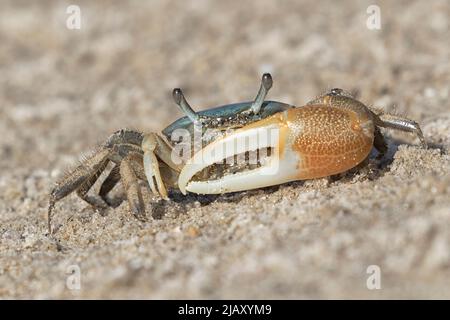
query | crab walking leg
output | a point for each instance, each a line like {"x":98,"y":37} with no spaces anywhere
{"x":75,"y":179}
{"x":110,"y":182}
{"x":387,"y":120}
{"x":83,"y":190}
{"x":313,"y":141}
{"x":114,"y":176}
{"x":132,"y":188}
{"x":266,"y":84}
{"x":81,"y":179}
{"x":124,"y":136}
{"x":136,"y":161}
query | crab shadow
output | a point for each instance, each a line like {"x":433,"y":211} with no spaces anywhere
{"x":185,"y":202}
{"x":377,"y":168}
{"x":393,"y":146}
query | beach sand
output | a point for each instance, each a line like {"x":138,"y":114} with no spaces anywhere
{"x":63,"y":91}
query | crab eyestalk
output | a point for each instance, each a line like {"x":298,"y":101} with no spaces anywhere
{"x":266,"y":84}
{"x":181,"y":101}
{"x":304,"y":143}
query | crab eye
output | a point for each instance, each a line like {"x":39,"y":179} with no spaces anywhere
{"x":336,"y":92}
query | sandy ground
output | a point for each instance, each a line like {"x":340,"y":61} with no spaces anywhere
{"x":62,"y":91}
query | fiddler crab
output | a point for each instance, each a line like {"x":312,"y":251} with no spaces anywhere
{"x":235,"y":147}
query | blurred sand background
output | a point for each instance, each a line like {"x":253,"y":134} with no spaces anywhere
{"x":63,"y":91}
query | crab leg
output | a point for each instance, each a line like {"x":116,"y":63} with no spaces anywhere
{"x":113,"y":177}
{"x":387,"y":120}
{"x":266,"y":84}
{"x":110,"y":182}
{"x":83,"y":190}
{"x":82,"y":176}
{"x":132,"y":189}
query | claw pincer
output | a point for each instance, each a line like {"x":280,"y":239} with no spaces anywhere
{"x":307,"y":142}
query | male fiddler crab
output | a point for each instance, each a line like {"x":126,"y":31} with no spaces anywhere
{"x":235,"y":147}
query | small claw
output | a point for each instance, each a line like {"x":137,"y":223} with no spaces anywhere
{"x":151,"y":169}
{"x":151,"y":166}
{"x":159,"y":183}
{"x":148,"y":168}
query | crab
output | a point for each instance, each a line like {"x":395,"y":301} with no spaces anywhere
{"x":237,"y":147}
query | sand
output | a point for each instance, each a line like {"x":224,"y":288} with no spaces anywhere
{"x":63,"y":91}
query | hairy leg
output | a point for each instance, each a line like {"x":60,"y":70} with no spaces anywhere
{"x":82,"y":191}
{"x":131,"y":185}
{"x":127,"y":150}
{"x":80,"y":177}
{"x":84,"y":176}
